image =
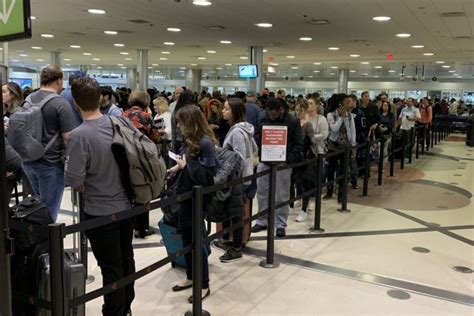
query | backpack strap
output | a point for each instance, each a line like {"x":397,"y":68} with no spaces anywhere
{"x":41,"y":105}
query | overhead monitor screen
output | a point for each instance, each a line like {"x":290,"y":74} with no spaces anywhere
{"x":248,"y":71}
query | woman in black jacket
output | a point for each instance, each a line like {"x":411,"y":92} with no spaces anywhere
{"x":196,"y":165}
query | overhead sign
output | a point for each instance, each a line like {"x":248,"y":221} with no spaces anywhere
{"x":15,"y":21}
{"x":274,"y":141}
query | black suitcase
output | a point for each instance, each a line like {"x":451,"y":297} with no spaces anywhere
{"x":74,"y":279}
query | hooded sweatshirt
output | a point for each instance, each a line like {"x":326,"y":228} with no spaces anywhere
{"x":240,"y":139}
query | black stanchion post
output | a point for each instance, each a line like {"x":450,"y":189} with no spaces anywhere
{"x":392,"y":156}
{"x":410,"y":149}
{"x":345,"y":178}
{"x":83,"y":240}
{"x":404,"y":145}
{"x":430,"y":135}
{"x":56,"y":262}
{"x":317,"y":199}
{"x":381,"y":158}
{"x":434,"y":136}
{"x":269,"y":262}
{"x":197,"y":253}
{"x":365,"y":189}
{"x":417,"y":151}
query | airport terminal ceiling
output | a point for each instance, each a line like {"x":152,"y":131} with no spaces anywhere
{"x":308,"y":38}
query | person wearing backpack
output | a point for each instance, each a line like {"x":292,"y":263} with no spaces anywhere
{"x":42,"y":145}
{"x":197,"y":165}
{"x":239,"y":139}
{"x":92,"y":169}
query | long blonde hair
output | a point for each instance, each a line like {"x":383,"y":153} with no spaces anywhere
{"x":193,"y":127}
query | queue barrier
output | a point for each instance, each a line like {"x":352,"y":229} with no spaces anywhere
{"x":61,"y":305}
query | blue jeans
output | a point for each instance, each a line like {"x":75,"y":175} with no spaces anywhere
{"x":47,"y":182}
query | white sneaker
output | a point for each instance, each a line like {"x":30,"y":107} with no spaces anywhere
{"x":301,"y":217}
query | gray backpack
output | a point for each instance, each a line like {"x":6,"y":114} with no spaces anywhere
{"x":25,"y":131}
{"x":143,"y":170}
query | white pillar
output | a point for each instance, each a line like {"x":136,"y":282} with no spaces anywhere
{"x":55,"y":58}
{"x":132,"y":78}
{"x":342,"y":83}
{"x":193,"y":80}
{"x":255,"y":57}
{"x":142,"y":68}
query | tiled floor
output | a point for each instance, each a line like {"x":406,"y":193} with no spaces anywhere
{"x":347,"y":275}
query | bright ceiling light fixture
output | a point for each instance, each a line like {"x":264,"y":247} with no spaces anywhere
{"x":446,"y":66}
{"x":202,"y":58}
{"x":173,"y":29}
{"x":365,"y":63}
{"x":36,"y":47}
{"x":119,"y":45}
{"x":168,"y":43}
{"x":334,"y":67}
{"x":290,"y":56}
{"x":392,"y":71}
{"x":33,"y":17}
{"x":306,"y":39}
{"x":211,"y":52}
{"x":39,"y":59}
{"x":352,"y":71}
{"x":166,"y":53}
{"x":354,"y":55}
{"x":381,"y":18}
{"x":96,"y":11}
{"x":333,"y":48}
{"x":317,"y":63}
{"x":194,"y":65}
{"x":225,"y":42}
{"x":124,"y":53}
{"x":294,"y":67}
{"x":428,"y":54}
{"x":111,"y":32}
{"x":440,"y":62}
{"x":128,"y":58}
{"x":417,"y":46}
{"x":316,"y":71}
{"x":452,"y":71}
{"x":23,"y":55}
{"x":403,"y":35}
{"x":273,"y":64}
{"x":228,"y":65}
{"x":243,"y":57}
{"x":163,"y":58}
{"x":96,"y":59}
{"x":67,"y":59}
{"x":264,"y":25}
{"x":75,"y":46}
{"x":202,"y":3}
{"x":87,"y":54}
{"x":47,"y":35}
{"x":378,"y":67}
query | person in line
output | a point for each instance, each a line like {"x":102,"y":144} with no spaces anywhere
{"x":91,"y":168}
{"x":185,"y":98}
{"x":107,"y":106}
{"x":12,"y":99}
{"x":162,"y":122}
{"x":370,"y":110}
{"x":386,"y":125}
{"x":409,"y":115}
{"x":239,"y":139}
{"x":426,"y":113}
{"x":67,"y":94}
{"x":197,"y":166}
{"x":218,"y":124}
{"x":276,"y":114}
{"x":342,"y":134}
{"x":177,"y":93}
{"x":46,"y":175}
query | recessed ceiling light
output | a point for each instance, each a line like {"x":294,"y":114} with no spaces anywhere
{"x":96,"y":11}
{"x":119,"y":45}
{"x":311,"y":76}
{"x":378,"y":67}
{"x":124,"y":53}
{"x":333,"y":48}
{"x":376,"y":76}
{"x":334,"y":67}
{"x":99,"y":67}
{"x":452,"y":71}
{"x":36,"y":47}
{"x":306,"y":39}
{"x":47,"y":35}
{"x":75,"y":46}
{"x":173,"y":29}
{"x":203,"y":3}
{"x":150,"y":67}
{"x":403,"y":35}
{"x":446,"y":66}
{"x":182,"y":68}
{"x":163,"y":58}
{"x":264,"y":25}
{"x":365,"y":63}
{"x":391,"y":71}
{"x":294,"y":67}
{"x":365,"y":74}
{"x":96,"y":59}
{"x":211,"y":51}
{"x":219,"y":68}
{"x":15,"y":60}
{"x":168,"y":43}
{"x":128,"y":58}
{"x":166,"y":53}
{"x":290,"y":56}
{"x":428,"y":54}
{"x":316,"y":63}
{"x":381,"y":18}
{"x":228,"y":64}
{"x":354,"y":55}
{"x":440,"y":62}
{"x":194,"y":65}
{"x":226,"y":42}
{"x":87,"y":54}
{"x":39,"y":59}
{"x":111,"y":32}
{"x":265,"y":50}
{"x":273,"y":64}
{"x":154,"y":65}
{"x":202,"y":58}
{"x":316,"y":71}
{"x":244,"y":57}
{"x":332,"y":74}
{"x":119,"y":64}
{"x":67,"y":59}
{"x":23,"y":55}
{"x":33,"y":17}
{"x":417,"y":46}
{"x":352,"y":71}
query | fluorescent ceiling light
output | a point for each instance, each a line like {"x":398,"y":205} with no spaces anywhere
{"x":119,"y":64}
{"x":99,"y":67}
{"x":182,"y":68}
{"x":173,"y":29}
{"x":332,"y":74}
{"x":75,"y":46}
{"x":39,"y":59}
{"x":23,"y":55}
{"x":264,"y":25}
{"x":111,"y":32}
{"x":316,"y":63}
{"x":273,"y":64}
{"x":376,"y":76}
{"x":226,"y":42}
{"x":68,"y":64}
{"x":202,"y":58}
{"x":265,"y":50}
{"x":87,"y":54}
{"x":440,"y":62}
{"x":96,"y":59}
{"x":452,"y":71}
{"x":354,"y":55}
{"x":333,"y":48}
{"x":33,"y":17}
{"x":244,"y":57}
{"x":163,"y":58}
{"x":334,"y":67}
{"x":47,"y":35}
{"x":403,"y":35}
{"x":124,"y":53}
{"x":218,"y":68}
{"x":36,"y":47}
{"x":96,"y":11}
{"x":294,"y":67}
{"x":168,"y":43}
{"x":446,"y":66}
{"x":391,"y":71}
{"x":316,"y":71}
{"x":352,"y":71}
{"x":211,"y":52}
{"x":417,"y":46}
{"x":123,"y":67}
{"x":119,"y":45}
{"x":306,"y":39}
{"x":378,"y":67}
{"x":381,"y":18}
{"x":203,"y":3}
{"x":365,"y":74}
{"x":290,"y":56}
{"x":428,"y":54}
{"x":228,"y":64}
{"x":365,"y":63}
{"x":154,"y":65}
{"x":67,"y":59}
{"x":166,"y":53}
{"x":194,"y":65}
{"x":128,"y":58}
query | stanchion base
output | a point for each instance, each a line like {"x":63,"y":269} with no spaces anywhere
{"x":312,"y":230}
{"x":266,"y":265}
{"x":340,"y":210}
{"x":204,"y":313}
{"x":90,"y":279}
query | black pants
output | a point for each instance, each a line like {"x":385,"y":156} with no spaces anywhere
{"x":187,"y":236}
{"x":112,"y":248}
{"x":236,"y":234}
{"x":142,"y":222}
{"x":335,"y":167}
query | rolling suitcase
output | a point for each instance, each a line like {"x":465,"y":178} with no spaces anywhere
{"x":172,"y":241}
{"x":247,"y":214}
{"x":74,"y":279}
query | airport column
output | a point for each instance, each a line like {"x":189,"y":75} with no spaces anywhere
{"x":132,"y":78}
{"x":143,"y":69}
{"x":55,"y":58}
{"x":193,"y":79}
{"x":255,"y":54}
{"x":342,"y":83}
{"x":5,"y":54}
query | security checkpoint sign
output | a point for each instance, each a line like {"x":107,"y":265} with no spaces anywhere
{"x":15,"y":20}
{"x":274,"y":141}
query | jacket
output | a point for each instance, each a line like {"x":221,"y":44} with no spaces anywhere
{"x":13,"y":160}
{"x":335,"y":123}
{"x":240,"y":139}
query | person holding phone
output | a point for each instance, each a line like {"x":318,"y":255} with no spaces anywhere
{"x":409,"y":115}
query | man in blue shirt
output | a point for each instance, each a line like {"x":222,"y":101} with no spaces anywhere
{"x":67,"y":94}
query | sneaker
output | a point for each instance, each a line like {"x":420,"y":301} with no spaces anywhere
{"x":281,"y":232}
{"x":258,"y":228}
{"x":231,"y":254}
{"x":221,"y":244}
{"x":297,"y":204}
{"x":301,"y":216}
{"x":355,"y":186}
